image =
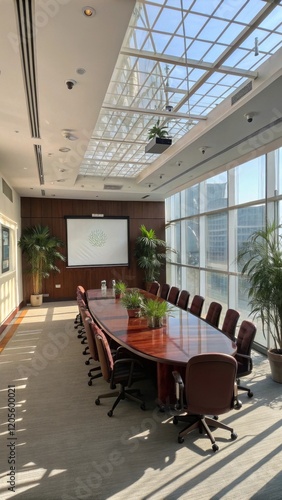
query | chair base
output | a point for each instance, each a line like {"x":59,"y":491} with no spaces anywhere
{"x":131,"y":394}
{"x":242,"y":388}
{"x":202,"y":422}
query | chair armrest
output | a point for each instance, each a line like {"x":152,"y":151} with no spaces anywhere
{"x":243,"y":358}
{"x":179,"y":389}
{"x":237,"y":405}
{"x":132,"y":364}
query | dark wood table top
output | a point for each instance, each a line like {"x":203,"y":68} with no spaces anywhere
{"x":182,"y":336}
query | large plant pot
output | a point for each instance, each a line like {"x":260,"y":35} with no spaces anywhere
{"x":275,"y":362}
{"x":36,"y":300}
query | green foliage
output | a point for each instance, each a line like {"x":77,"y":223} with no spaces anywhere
{"x":41,"y":251}
{"x":157,"y":131}
{"x":148,"y":255}
{"x":132,"y":299}
{"x":261,"y":261}
{"x":155,"y":308}
{"x":120,"y":287}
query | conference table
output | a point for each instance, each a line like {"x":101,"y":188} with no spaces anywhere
{"x":182,"y":336}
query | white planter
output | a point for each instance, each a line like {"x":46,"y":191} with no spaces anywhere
{"x":36,"y":300}
{"x":157,"y":145}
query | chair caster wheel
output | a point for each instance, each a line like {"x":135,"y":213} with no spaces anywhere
{"x":234,"y":435}
{"x":89,"y":382}
{"x":97,"y":402}
{"x":180,"y":440}
{"x":215,"y":417}
{"x":87,"y":362}
{"x":175,"y":420}
{"x":143,"y":407}
{"x":110,"y":413}
{"x":215,"y":447}
{"x":250,"y":394}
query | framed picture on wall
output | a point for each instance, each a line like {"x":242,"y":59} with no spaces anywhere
{"x":5,"y":249}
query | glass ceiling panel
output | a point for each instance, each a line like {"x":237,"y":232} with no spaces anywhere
{"x":142,"y":87}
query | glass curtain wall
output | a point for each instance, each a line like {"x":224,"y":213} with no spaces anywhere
{"x":207,"y":223}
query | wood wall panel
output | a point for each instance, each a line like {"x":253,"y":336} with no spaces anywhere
{"x":51,"y":212}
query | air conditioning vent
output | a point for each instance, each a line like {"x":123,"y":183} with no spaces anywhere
{"x":235,"y":98}
{"x":7,"y":191}
{"x":113,"y":187}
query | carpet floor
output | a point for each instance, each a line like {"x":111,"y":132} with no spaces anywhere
{"x":57,"y":444}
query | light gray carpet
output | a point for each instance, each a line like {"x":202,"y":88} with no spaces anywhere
{"x":68,"y":448}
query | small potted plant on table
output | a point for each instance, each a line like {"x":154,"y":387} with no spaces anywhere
{"x":155,"y":311}
{"x":132,"y":300}
{"x":119,"y":289}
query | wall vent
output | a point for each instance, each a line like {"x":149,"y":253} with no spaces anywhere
{"x":113,"y":187}
{"x":235,"y":98}
{"x":7,"y":191}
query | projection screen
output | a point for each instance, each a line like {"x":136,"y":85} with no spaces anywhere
{"x":101,"y":241}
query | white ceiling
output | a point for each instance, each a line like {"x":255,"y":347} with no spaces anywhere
{"x":64,"y":40}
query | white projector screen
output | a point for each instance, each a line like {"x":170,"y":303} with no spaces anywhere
{"x":101,"y":241}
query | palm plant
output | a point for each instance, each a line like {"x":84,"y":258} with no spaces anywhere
{"x":261,"y":260}
{"x":41,"y":251}
{"x":158,"y":131}
{"x":147,"y":253}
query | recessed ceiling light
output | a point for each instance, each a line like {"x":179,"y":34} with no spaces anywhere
{"x":69,"y":135}
{"x":81,"y":71}
{"x":89,"y":11}
{"x":64,"y":150}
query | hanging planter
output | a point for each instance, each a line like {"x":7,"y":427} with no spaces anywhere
{"x":159,"y":140}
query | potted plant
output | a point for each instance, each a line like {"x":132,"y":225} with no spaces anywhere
{"x":119,"y":288}
{"x":148,"y":254}
{"x":155,"y":311}
{"x":261,"y":260}
{"x":41,"y":251}
{"x":132,"y":300}
{"x":158,"y":139}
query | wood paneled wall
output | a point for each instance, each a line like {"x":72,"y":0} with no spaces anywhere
{"x":51,"y":213}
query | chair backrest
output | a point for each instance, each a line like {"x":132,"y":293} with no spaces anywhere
{"x":213,"y":314}
{"x":209,"y":383}
{"x":230,"y":322}
{"x":154,"y":288}
{"x":104,"y":352}
{"x":87,"y":320}
{"x":173,"y":295}
{"x":80,"y":293}
{"x":246,"y":335}
{"x":164,"y":291}
{"x":183,"y":299}
{"x":197,"y":305}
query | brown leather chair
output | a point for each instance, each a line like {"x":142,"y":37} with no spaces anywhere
{"x":164,"y":291}
{"x":210,"y":389}
{"x":173,"y":295}
{"x":183,"y":299}
{"x":88,"y":325}
{"x":123,"y":371}
{"x":213,"y":314}
{"x":244,"y":341}
{"x":197,"y":305}
{"x":154,"y":288}
{"x":230,"y":322}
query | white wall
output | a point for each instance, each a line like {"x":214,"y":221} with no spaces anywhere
{"x":11,"y":293}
